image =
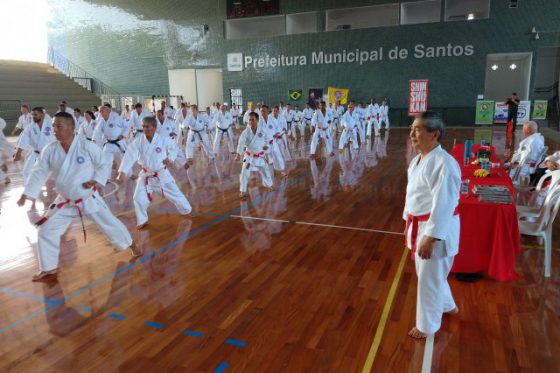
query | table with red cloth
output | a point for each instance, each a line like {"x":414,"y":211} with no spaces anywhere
{"x":490,"y":238}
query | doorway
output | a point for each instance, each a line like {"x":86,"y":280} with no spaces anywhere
{"x":197,"y":86}
{"x":507,"y":73}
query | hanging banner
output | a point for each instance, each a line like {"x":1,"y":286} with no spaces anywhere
{"x":539,"y":109}
{"x":295,"y":94}
{"x":338,"y":94}
{"x":500,"y":112}
{"x":523,"y":112}
{"x":417,"y":96}
{"x":484,"y":112}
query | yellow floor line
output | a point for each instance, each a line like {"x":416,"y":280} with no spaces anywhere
{"x":384,"y":315}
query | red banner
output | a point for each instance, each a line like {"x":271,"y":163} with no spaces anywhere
{"x":417,"y":96}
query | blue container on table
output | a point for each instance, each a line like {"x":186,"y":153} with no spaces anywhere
{"x":468,"y":149}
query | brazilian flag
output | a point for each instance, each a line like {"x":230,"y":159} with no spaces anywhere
{"x":295,"y":94}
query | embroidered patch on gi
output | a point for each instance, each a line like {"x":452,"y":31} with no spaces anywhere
{"x":329,"y":121}
{"x":270,"y":126}
{"x":158,"y":150}
{"x":80,"y":159}
{"x":260,"y":134}
{"x":111,"y":125}
{"x":47,"y":131}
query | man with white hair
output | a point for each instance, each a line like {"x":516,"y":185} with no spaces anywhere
{"x":110,"y":131}
{"x":530,"y":149}
{"x":432,"y":222}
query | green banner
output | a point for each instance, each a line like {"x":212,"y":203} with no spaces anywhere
{"x":295,"y":94}
{"x":539,"y":109}
{"x":484,"y":112}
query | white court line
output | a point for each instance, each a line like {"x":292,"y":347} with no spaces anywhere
{"x":428,"y":353}
{"x":319,"y":225}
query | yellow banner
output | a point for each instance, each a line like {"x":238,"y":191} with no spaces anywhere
{"x":336,"y":94}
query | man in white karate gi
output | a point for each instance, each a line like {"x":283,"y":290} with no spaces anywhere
{"x":321,"y":122}
{"x":531,"y":149}
{"x":77,"y":166}
{"x":6,"y":149}
{"x":136,"y":117}
{"x":289,"y":116}
{"x":180,"y":117}
{"x":373,"y":118}
{"x":253,"y":145}
{"x":298,"y":125}
{"x":166,"y":126}
{"x":236,"y":114}
{"x":155,"y":153}
{"x":432,"y":222}
{"x":250,"y":109}
{"x":307,"y":115}
{"x":196,"y":123}
{"x":224,"y":130}
{"x":35,"y":136}
{"x":384,"y":115}
{"x":87,"y":128}
{"x":350,"y":122}
{"x":110,"y":132}
{"x":24,"y":120}
{"x":167,"y":111}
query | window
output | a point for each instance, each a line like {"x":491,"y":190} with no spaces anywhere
{"x":420,"y":12}
{"x":363,"y":17}
{"x":466,"y":10}
{"x":256,"y":27}
{"x":301,"y":23}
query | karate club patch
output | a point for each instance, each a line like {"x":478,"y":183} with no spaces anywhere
{"x":260,"y":134}
{"x":47,"y":131}
{"x":80,"y":159}
{"x":111,"y":125}
{"x":158,"y":150}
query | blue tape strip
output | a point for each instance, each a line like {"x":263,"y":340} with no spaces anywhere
{"x":235,"y":342}
{"x":221,"y":367}
{"x":156,"y":325}
{"x":20,"y":294}
{"x":141,"y":260}
{"x":193,"y":333}
{"x":118,"y":316}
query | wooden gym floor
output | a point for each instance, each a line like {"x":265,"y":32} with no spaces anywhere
{"x":310,"y":277}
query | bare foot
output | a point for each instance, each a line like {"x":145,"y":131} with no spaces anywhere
{"x":135,"y":250}
{"x":271,"y":189}
{"x":44,"y":275}
{"x":415,"y":333}
{"x":134,"y":177}
{"x":454,"y":311}
{"x":142,"y":226}
{"x":188,"y":215}
{"x":243,"y":195}
{"x":7,"y":181}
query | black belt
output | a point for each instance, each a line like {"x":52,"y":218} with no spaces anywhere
{"x":115,"y":142}
{"x":37,"y":152}
{"x":89,"y":138}
{"x":197,"y":132}
{"x":139,"y":130}
{"x":223,"y":130}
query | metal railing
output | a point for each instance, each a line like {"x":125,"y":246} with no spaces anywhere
{"x":10,"y":112}
{"x":79,"y":75}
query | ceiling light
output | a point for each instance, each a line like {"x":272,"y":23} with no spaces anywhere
{"x":513,"y":66}
{"x":494,"y":67}
{"x":537,"y":36}
{"x":534,"y":30}
{"x":470,"y":16}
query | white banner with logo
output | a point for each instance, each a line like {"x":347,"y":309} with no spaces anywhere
{"x":523,"y":112}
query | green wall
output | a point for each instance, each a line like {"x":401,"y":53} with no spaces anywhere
{"x":131,"y":44}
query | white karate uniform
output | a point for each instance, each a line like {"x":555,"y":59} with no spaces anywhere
{"x":150,"y":157}
{"x":36,"y":138}
{"x":246,"y":116}
{"x":24,"y":120}
{"x":169,"y":113}
{"x":533,"y":147}
{"x":87,"y":130}
{"x":197,"y":133}
{"x":6,"y":149}
{"x":373,"y":119}
{"x":235,"y":114}
{"x":307,"y":116}
{"x":433,"y":188}
{"x":350,"y":123}
{"x":107,"y":133}
{"x":224,"y":123}
{"x":322,"y":125}
{"x":250,"y":147}
{"x":299,"y":124}
{"x":289,"y":116}
{"x":126,"y":117}
{"x":136,"y":120}
{"x":78,"y":123}
{"x":362,"y":123}
{"x":384,"y":116}
{"x":83,"y":162}
{"x":180,"y":117}
{"x":280,"y":150}
{"x":168,"y":128}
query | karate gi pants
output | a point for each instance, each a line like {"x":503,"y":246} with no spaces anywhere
{"x":299,"y":127}
{"x":28,"y":165}
{"x":346,"y":136}
{"x":386,"y":121}
{"x":193,"y":138}
{"x":373,"y":125}
{"x":170,"y":191}
{"x":261,"y":167}
{"x":327,"y":139}
{"x":110,"y":151}
{"x":223,"y":135}
{"x":48,"y":245}
{"x":433,"y":295}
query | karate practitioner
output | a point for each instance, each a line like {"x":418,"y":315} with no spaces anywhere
{"x":253,"y":145}
{"x":110,"y":132}
{"x":361,"y":111}
{"x":180,"y":117}
{"x":224,"y":131}
{"x":167,"y":111}
{"x":6,"y":149}
{"x":384,"y":115}
{"x":251,"y":109}
{"x":87,"y":128}
{"x":35,"y":136}
{"x":235,"y":113}
{"x":136,"y":117}
{"x":307,"y":115}
{"x":432,"y":222}
{"x":289,"y":116}
{"x":154,"y":152}
{"x":321,"y":122}
{"x":278,"y":121}
{"x":78,"y":119}
{"x":197,"y":134}
{"x":373,"y":118}
{"x":166,"y":126}
{"x":298,"y":125}
{"x":77,"y":166}
{"x":531,"y":148}
{"x":24,"y":120}
{"x":350,"y":123}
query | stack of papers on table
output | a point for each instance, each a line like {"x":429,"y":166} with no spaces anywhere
{"x":493,"y":194}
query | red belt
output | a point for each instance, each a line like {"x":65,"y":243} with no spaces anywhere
{"x":148,"y":176}
{"x":254,"y":155}
{"x":64,"y":203}
{"x":414,"y":220}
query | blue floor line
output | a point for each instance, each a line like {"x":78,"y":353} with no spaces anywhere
{"x":221,"y":367}
{"x":20,"y":294}
{"x":56,"y":303}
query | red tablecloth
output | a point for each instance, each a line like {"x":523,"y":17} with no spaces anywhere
{"x":490,"y":237}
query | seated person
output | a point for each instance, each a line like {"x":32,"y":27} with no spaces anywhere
{"x":532,"y":146}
